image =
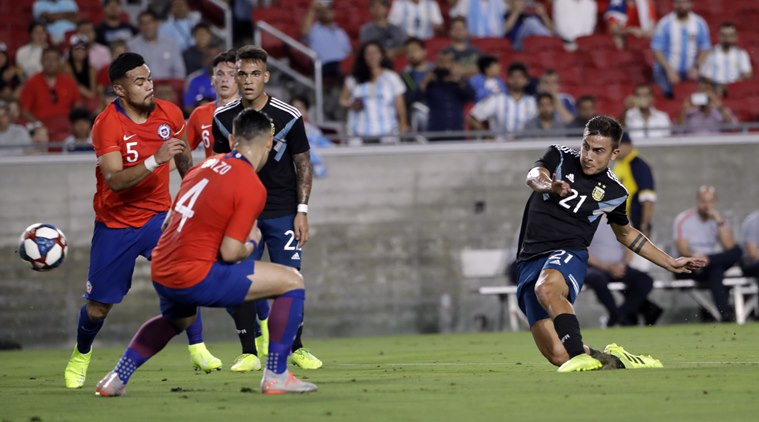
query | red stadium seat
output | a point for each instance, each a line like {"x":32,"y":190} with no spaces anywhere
{"x":571,"y":75}
{"x":433,"y":45}
{"x":601,"y":77}
{"x":743,"y":89}
{"x":604,"y":59}
{"x":537,"y":44}
{"x":595,"y":42}
{"x":492,"y":46}
{"x":684,"y":89}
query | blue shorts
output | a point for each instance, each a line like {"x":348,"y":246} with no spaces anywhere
{"x":571,"y":264}
{"x":112,"y":258}
{"x":279,"y":236}
{"x":225,"y":285}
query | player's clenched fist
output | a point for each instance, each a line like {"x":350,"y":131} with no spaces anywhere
{"x":559,"y":187}
{"x":169,"y":149}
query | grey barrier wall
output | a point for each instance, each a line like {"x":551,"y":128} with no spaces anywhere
{"x":388,"y":224}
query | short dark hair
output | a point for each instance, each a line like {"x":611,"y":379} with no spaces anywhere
{"x":485,"y":61}
{"x":78,"y":113}
{"x":201,"y":25}
{"x":458,"y":19}
{"x":250,"y":124}
{"x":643,"y":85}
{"x":50,"y":50}
{"x":543,"y":95}
{"x":586,"y":98}
{"x":252,"y":52}
{"x":301,"y":98}
{"x":229,"y":56}
{"x":83,"y":22}
{"x":414,"y":40}
{"x":727,"y":24}
{"x":517,"y":67}
{"x":34,"y":24}
{"x":123,"y":64}
{"x":147,"y":12}
{"x":605,"y":126}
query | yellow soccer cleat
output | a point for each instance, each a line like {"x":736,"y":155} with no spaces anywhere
{"x":202,"y":359}
{"x":262,"y":341}
{"x":246,"y":362}
{"x":76,"y":369}
{"x":581,"y":362}
{"x":632,"y":361}
{"x":304,"y":359}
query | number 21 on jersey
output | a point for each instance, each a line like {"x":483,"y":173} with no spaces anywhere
{"x":572,"y":195}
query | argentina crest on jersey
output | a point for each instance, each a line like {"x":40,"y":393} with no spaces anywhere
{"x":598,"y":192}
{"x":164,"y":132}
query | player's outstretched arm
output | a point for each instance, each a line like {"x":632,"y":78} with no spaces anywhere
{"x":119,"y":178}
{"x":540,"y":180}
{"x":638,"y":243}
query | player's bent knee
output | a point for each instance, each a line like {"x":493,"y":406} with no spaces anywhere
{"x":294,"y":280}
{"x":546,"y":292}
{"x":97,"y":310}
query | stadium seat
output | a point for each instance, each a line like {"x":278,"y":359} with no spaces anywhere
{"x":492,"y":46}
{"x":600,"y":77}
{"x":595,"y":42}
{"x":637,"y":44}
{"x":743,"y":89}
{"x":683,"y":89}
{"x":574,"y":75}
{"x":605,"y":59}
{"x":538,"y":44}
{"x":433,"y":45}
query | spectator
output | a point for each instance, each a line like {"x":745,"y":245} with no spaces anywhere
{"x":380,"y":30}
{"x":416,"y":70}
{"x":488,"y":81}
{"x":10,"y":75}
{"x":29,"y":56}
{"x":418,"y":18}
{"x":641,"y":119}
{"x":199,"y":85}
{"x":78,"y":67}
{"x":40,"y":137}
{"x":179,"y":24}
{"x":625,"y":18}
{"x":14,"y":108}
{"x":80,"y":139}
{"x":57,"y":15}
{"x":242,"y":21}
{"x":726,"y":62}
{"x":506,"y":112}
{"x":316,"y":138}
{"x":545,"y":123}
{"x":100,"y":55}
{"x":464,"y":53}
{"x":750,"y":235}
{"x":586,"y":109}
{"x":165,"y":90}
{"x":195,"y":55}
{"x":680,"y":44}
{"x":446,"y":92}
{"x":483,"y":18}
{"x":117,"y":48}
{"x":50,"y":95}
{"x":13,"y":138}
{"x":329,"y":41}
{"x":609,"y":261}
{"x":702,"y":232}
{"x":574,"y":18}
{"x":564,"y":104}
{"x":373,"y":94}
{"x":703,"y":112}
{"x":636,"y":175}
{"x":526,"y":18}
{"x":114,"y":27}
{"x":160,"y":53}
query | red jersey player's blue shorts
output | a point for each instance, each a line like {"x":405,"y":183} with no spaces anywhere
{"x":112,"y":258}
{"x":225,"y":285}
{"x":571,"y":264}
{"x":279,"y":236}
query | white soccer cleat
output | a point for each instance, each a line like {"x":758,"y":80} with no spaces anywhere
{"x":284,"y":383}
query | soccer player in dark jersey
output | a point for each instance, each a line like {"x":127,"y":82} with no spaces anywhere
{"x":214,"y":216}
{"x":287,"y":177}
{"x":570,"y":192}
{"x":135,"y":138}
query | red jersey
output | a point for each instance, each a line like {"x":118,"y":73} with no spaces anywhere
{"x":223,"y":196}
{"x":45,"y":102}
{"x":115,"y":131}
{"x":199,"y":128}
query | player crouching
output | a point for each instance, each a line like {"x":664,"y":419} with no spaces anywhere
{"x":215,"y":215}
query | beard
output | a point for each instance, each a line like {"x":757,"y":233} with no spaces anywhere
{"x":142,"y":107}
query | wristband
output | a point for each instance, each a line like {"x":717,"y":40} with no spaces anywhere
{"x":303,"y":208}
{"x":252,"y":242}
{"x":150,"y":163}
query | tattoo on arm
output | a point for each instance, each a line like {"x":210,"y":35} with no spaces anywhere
{"x":303,"y":176}
{"x":183,"y":161}
{"x":637,"y":244}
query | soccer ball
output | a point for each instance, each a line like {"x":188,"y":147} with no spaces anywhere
{"x":42,"y":245}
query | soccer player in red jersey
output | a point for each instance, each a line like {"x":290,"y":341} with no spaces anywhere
{"x":214,"y":215}
{"x":135,"y":137}
{"x":225,"y":85}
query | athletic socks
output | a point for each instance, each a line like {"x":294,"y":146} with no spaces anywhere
{"x":298,"y":342}
{"x":262,"y":312}
{"x":284,"y":319}
{"x":568,"y":329}
{"x":195,"y":331}
{"x":150,"y":339}
{"x":244,"y":316}
{"x":86,"y":331}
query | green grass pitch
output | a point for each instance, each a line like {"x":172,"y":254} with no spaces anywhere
{"x":711,"y":373}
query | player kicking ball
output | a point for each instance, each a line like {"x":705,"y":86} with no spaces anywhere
{"x":213,"y":216}
{"x":571,"y":191}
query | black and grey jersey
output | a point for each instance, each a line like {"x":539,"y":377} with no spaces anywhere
{"x":551,"y":222}
{"x":278,"y":175}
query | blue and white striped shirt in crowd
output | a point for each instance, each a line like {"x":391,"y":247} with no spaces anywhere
{"x":416,"y":18}
{"x":504,"y":112}
{"x":681,"y":41}
{"x":484,"y":17}
{"x":379,"y":116}
{"x":726,"y":67}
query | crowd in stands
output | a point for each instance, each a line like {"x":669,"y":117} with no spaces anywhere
{"x":519,"y":68}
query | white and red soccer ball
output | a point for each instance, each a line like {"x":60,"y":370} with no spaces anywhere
{"x":42,"y":245}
